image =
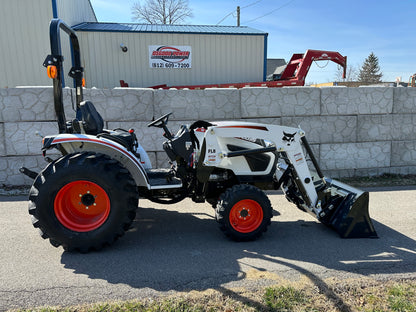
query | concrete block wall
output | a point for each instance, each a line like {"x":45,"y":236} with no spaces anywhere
{"x":353,"y":131}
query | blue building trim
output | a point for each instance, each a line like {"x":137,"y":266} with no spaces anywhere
{"x":54,"y":9}
{"x":265,"y":58}
{"x":170,"y":29}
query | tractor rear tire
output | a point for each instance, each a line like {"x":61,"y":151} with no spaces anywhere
{"x":83,"y":201}
{"x":244,"y":212}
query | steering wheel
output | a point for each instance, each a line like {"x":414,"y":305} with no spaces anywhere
{"x":161,"y":121}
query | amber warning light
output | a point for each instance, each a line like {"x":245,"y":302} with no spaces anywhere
{"x":52,"y":71}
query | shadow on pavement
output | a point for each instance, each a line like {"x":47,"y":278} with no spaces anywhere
{"x":167,"y":250}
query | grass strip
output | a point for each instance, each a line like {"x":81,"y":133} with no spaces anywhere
{"x":363,"y":294}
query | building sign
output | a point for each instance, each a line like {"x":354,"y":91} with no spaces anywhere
{"x":170,"y":56}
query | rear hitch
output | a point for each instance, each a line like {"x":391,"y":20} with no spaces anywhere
{"x":31,"y":174}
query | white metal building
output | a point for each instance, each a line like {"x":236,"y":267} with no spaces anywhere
{"x":140,"y":55}
{"x":24,"y":36}
{"x":205,"y":54}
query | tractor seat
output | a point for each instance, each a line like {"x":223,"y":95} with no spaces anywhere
{"x":92,"y":121}
{"x":93,"y":124}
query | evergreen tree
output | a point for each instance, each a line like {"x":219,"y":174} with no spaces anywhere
{"x":370,"y":71}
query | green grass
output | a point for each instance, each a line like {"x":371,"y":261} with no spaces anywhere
{"x":284,"y":298}
{"x":168,"y":305}
{"x":399,"y":297}
{"x":402,"y":298}
{"x":361,"y":295}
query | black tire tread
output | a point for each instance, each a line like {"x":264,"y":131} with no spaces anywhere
{"x":100,"y":162}
{"x":233,"y":195}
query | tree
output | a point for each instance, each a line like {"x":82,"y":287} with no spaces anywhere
{"x":350,"y":75}
{"x":370,"y":70}
{"x":161,"y":11}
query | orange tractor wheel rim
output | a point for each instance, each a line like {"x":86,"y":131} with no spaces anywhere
{"x":82,"y":206}
{"x":246,"y":216}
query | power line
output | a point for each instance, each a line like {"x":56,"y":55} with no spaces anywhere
{"x":233,"y":12}
{"x":225,"y":17}
{"x":271,"y":12}
{"x":251,"y":4}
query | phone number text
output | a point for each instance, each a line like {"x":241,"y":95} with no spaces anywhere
{"x":170,"y":65}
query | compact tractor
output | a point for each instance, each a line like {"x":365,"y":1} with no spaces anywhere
{"x":86,"y":198}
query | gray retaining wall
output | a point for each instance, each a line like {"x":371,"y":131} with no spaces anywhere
{"x":354,"y":131}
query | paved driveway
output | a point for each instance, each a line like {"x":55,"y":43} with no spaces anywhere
{"x":179,"y":247}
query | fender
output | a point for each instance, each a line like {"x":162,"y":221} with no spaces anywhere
{"x":78,"y":143}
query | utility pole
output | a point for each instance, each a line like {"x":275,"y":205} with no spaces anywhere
{"x":238,"y":16}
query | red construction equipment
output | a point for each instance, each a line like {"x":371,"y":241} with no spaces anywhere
{"x":293,"y":75}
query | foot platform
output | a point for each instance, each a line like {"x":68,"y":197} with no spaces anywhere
{"x":163,"y":178}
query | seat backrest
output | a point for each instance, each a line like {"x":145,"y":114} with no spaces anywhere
{"x":92,"y":121}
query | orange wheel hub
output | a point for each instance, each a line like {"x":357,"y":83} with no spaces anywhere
{"x":82,"y":206}
{"x":246,"y":216}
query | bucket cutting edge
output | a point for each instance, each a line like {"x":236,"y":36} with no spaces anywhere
{"x":351,"y":218}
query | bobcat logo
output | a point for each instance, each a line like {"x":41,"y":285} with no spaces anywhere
{"x":288,"y":137}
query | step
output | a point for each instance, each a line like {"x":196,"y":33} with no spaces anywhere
{"x":162,"y":178}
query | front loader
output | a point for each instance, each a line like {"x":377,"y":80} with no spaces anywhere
{"x":86,"y":198}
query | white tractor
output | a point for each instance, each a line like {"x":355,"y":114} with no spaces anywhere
{"x":87,"y":198}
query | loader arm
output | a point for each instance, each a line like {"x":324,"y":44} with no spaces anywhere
{"x":335,"y":204}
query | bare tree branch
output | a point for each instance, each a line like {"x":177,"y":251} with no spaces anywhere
{"x":161,"y":11}
{"x":351,"y":74}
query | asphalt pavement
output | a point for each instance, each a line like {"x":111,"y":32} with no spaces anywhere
{"x":180,"y":248}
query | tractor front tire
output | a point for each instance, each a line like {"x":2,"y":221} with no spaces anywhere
{"x":83,"y":201}
{"x":244,"y":212}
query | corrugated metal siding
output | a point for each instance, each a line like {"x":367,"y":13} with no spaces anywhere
{"x":75,"y":11}
{"x":215,"y":59}
{"x":24,"y":42}
{"x":72,"y":12}
{"x":188,"y":29}
{"x":24,"y":38}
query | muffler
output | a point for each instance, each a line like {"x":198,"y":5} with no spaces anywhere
{"x":347,"y":211}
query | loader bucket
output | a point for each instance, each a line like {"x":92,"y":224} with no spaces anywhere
{"x":350,"y":219}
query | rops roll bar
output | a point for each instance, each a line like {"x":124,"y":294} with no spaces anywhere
{"x":54,"y":64}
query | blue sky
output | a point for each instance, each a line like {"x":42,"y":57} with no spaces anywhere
{"x":354,"y":28}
